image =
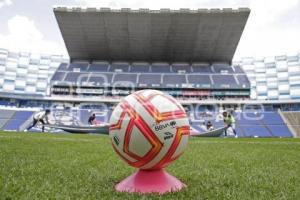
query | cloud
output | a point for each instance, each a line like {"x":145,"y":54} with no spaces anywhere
{"x":273,"y":28}
{"x":269,"y":11}
{"x":24,"y":36}
{"x":5,"y":3}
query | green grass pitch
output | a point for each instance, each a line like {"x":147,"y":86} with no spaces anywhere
{"x":52,"y":166}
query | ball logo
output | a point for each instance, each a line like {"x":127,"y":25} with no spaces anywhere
{"x":168,"y":135}
{"x":149,"y":129}
{"x":163,"y":126}
{"x":116,"y":140}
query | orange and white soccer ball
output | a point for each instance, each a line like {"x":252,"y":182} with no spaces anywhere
{"x":149,"y":129}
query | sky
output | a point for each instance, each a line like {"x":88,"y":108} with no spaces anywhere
{"x":273,"y":27}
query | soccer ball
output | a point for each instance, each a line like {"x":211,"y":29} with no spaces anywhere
{"x":149,"y":129}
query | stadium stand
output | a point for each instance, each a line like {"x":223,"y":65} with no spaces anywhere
{"x":248,"y":124}
{"x":14,"y":120}
{"x":5,"y":116}
{"x":18,"y":120}
{"x":158,"y":75}
{"x":292,"y":119}
{"x":264,"y":124}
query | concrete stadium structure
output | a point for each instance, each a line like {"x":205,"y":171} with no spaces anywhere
{"x":151,"y":35}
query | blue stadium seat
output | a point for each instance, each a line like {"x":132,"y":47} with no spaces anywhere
{"x":76,"y":77}
{"x":84,"y":116}
{"x":4,"y":102}
{"x":222,"y":68}
{"x":160,"y":68}
{"x":23,"y":114}
{"x":140,"y":67}
{"x":272,"y":118}
{"x":203,"y":68}
{"x":5,"y":116}
{"x":119,"y":67}
{"x":150,"y":79}
{"x":98,"y":79}
{"x":243,"y":80}
{"x":63,"y":67}
{"x":15,"y":123}
{"x":280,"y":131}
{"x":257,"y":130}
{"x":130,"y":78}
{"x":224,"y":81}
{"x":58,"y":76}
{"x":78,"y":66}
{"x":262,"y":124}
{"x":181,"y":68}
{"x":174,"y":79}
{"x":239,"y":131}
{"x":248,"y":118}
{"x":198,"y":79}
{"x":72,"y":76}
{"x":98,"y":67}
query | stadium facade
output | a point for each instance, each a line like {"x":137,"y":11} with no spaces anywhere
{"x":186,"y":53}
{"x":276,"y":77}
{"x":27,"y":73}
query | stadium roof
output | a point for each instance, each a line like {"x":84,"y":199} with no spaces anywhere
{"x":151,"y":35}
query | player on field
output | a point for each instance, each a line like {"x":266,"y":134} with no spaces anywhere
{"x":229,"y":122}
{"x":92,"y":119}
{"x":209,"y":126}
{"x":41,"y":117}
